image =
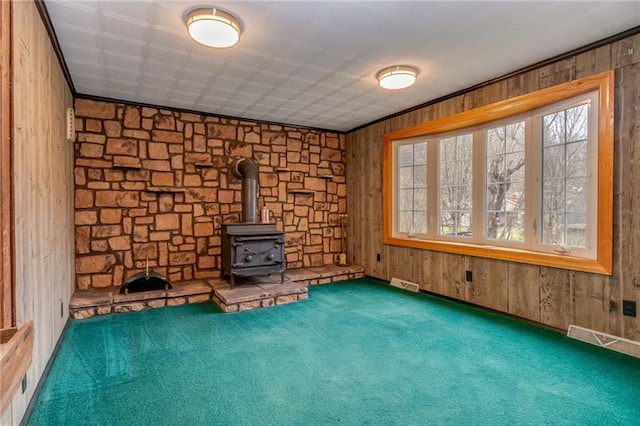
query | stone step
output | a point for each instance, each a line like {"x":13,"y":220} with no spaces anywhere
{"x":259,"y":293}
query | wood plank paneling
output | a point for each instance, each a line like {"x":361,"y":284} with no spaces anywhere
{"x":524,"y":290}
{"x":555,"y":297}
{"x":522,"y":84}
{"x":590,"y":301}
{"x":373,"y":218}
{"x":400,"y":263}
{"x":625,"y":52}
{"x":431,"y":271}
{"x":489,"y":95}
{"x":453,"y":269}
{"x":43,"y":185}
{"x":628,"y":249}
{"x":488,"y":286}
{"x":559,"y":72}
{"x":551,"y":296}
{"x":593,"y":62}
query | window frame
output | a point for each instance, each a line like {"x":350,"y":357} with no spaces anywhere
{"x":603,"y":83}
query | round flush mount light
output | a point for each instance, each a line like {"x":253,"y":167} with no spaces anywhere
{"x":397,"y":77}
{"x":213,"y":27}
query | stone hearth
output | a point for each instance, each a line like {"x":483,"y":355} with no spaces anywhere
{"x":88,"y":303}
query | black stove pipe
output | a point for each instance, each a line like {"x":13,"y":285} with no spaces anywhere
{"x":248,"y":171}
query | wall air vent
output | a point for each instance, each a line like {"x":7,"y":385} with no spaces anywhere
{"x":406,"y":285}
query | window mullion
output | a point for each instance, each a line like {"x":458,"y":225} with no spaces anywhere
{"x":592,"y":177}
{"x":433,"y":198}
{"x":533,"y":180}
{"x":479,"y":185}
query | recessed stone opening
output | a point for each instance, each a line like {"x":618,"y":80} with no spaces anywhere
{"x":145,"y":281}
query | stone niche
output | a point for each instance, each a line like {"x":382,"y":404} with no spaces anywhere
{"x":154,"y":185}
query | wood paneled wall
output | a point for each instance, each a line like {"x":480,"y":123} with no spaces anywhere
{"x":43,"y":186}
{"x":550,"y":296}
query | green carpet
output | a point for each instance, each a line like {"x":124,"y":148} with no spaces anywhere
{"x":356,"y":352}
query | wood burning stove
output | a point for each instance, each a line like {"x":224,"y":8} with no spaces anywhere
{"x":250,"y":248}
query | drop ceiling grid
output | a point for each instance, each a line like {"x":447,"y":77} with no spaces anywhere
{"x":313,"y":63}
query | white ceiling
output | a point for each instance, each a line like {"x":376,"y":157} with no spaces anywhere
{"x":313,"y":63}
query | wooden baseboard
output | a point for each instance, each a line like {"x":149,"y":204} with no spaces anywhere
{"x":15,"y":359}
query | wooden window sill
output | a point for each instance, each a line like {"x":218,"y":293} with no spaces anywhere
{"x":15,"y":359}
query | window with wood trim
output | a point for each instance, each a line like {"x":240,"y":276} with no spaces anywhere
{"x":528,"y":179}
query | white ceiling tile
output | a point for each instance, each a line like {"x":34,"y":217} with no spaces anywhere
{"x":127,"y":75}
{"x":75,"y":13}
{"x":117,"y":44}
{"x":184,"y":99}
{"x":132,"y":64}
{"x":78,"y":35}
{"x":82,"y":67}
{"x":160,"y":36}
{"x":163,"y":54}
{"x":123,"y":27}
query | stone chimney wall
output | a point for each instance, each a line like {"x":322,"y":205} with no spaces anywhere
{"x":155,"y":184}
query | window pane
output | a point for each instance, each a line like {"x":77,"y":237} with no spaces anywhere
{"x":577,"y":159}
{"x":420,"y":176}
{"x":495,"y":141}
{"x":456,"y":173}
{"x":412,"y":182}
{"x":406,"y":199}
{"x":565,"y":177}
{"x":505,"y":182}
{"x":576,"y":190}
{"x":553,"y":228}
{"x":405,"y":152}
{"x":420,"y":153}
{"x":464,"y":147}
{"x":553,"y":195}
{"x":577,"y":123}
{"x":553,"y":128}
{"x":513,"y":229}
{"x":420,"y":222}
{"x":576,"y":230}
{"x":406,"y":177}
{"x":420,"y":200}
{"x":406,"y":221}
{"x":516,"y":137}
{"x":554,"y":161}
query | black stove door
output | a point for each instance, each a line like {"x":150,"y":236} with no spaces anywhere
{"x":246,"y":254}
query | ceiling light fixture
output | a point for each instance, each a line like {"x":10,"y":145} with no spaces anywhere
{"x":213,"y":27}
{"x":397,"y":77}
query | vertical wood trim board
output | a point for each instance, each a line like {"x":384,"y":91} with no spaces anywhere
{"x":7,"y":297}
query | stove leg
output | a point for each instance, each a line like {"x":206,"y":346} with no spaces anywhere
{"x":231,"y":280}
{"x":281,"y":277}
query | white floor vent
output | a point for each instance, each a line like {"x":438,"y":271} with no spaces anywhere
{"x":407,"y":285}
{"x":605,"y":340}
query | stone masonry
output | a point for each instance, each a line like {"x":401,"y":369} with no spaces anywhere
{"x":156,"y":185}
